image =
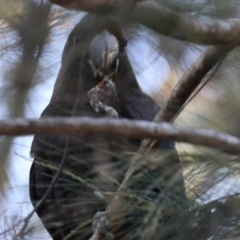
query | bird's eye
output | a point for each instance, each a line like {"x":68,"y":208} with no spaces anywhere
{"x":124,"y":43}
{"x":75,"y":40}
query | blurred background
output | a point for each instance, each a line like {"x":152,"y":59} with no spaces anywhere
{"x":32,"y":37}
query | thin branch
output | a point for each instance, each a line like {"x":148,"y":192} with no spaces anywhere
{"x":121,"y":127}
{"x":164,"y":21}
{"x":21,"y":232}
{"x":200,"y":87}
{"x":181,"y":26}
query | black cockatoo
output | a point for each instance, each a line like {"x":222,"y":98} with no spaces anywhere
{"x":97,"y":163}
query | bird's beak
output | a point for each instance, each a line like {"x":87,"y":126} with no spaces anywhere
{"x":103,"y":52}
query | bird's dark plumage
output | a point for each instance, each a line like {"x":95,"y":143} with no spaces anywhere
{"x":95,"y":162}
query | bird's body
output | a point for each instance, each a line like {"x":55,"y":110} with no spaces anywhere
{"x":95,"y":163}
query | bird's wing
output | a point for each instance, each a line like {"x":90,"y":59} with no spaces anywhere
{"x":141,"y":106}
{"x":162,"y":171}
{"x":75,"y":197}
{"x":164,"y":174}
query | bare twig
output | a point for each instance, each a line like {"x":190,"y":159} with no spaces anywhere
{"x":21,"y":232}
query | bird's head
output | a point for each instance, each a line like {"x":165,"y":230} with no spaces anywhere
{"x":103,"y":53}
{"x":95,"y":41}
{"x":93,"y":50}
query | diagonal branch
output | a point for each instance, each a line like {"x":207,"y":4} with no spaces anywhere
{"x":186,"y":86}
{"x":182,"y":91}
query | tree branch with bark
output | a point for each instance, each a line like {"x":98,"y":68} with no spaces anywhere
{"x":154,"y":16}
{"x":125,"y":128}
